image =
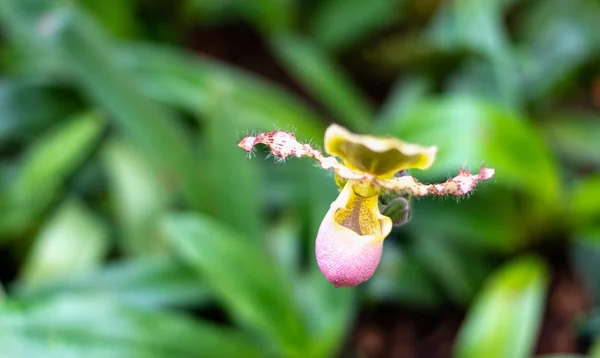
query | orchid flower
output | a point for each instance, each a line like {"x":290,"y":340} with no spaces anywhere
{"x":350,"y":239}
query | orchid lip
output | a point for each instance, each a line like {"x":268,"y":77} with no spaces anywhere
{"x":350,"y":240}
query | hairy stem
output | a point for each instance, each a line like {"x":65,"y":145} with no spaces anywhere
{"x":284,"y":144}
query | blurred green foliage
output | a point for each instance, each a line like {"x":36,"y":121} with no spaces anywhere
{"x":128,"y":215}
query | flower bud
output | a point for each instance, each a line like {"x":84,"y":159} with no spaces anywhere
{"x":396,"y":206}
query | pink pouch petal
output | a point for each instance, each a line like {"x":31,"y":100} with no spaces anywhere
{"x":350,"y":239}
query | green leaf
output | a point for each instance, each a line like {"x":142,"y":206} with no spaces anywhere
{"x":339,"y":24}
{"x":93,"y":326}
{"x":270,"y":16}
{"x":403,"y":277}
{"x":139,"y":198}
{"x":575,"y":137}
{"x":453,"y":26}
{"x":117,"y":16}
{"x":585,"y":257}
{"x":24,"y":25}
{"x":151,"y":281}
{"x":73,"y":228}
{"x":495,"y":74}
{"x":595,"y":350}
{"x":44,"y":168}
{"x":557,"y":38}
{"x":144,"y":121}
{"x":248,"y":283}
{"x":200,"y":85}
{"x":469,"y":132}
{"x":584,"y":208}
{"x":284,"y":242}
{"x":235,"y":194}
{"x":297,"y":184}
{"x":212,"y":12}
{"x":29,"y":106}
{"x":505,"y":318}
{"x":497,"y":81}
{"x":406,"y":94}
{"x":52,"y":159}
{"x":458,"y":271}
{"x":322,"y":77}
{"x":589,"y":329}
{"x":490,"y":219}
{"x":329,"y":312}
{"x":89,"y":56}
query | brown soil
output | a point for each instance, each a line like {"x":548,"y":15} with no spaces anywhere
{"x":391,"y":331}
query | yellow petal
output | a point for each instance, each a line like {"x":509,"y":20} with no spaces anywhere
{"x":382,"y":157}
{"x":350,"y":238}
